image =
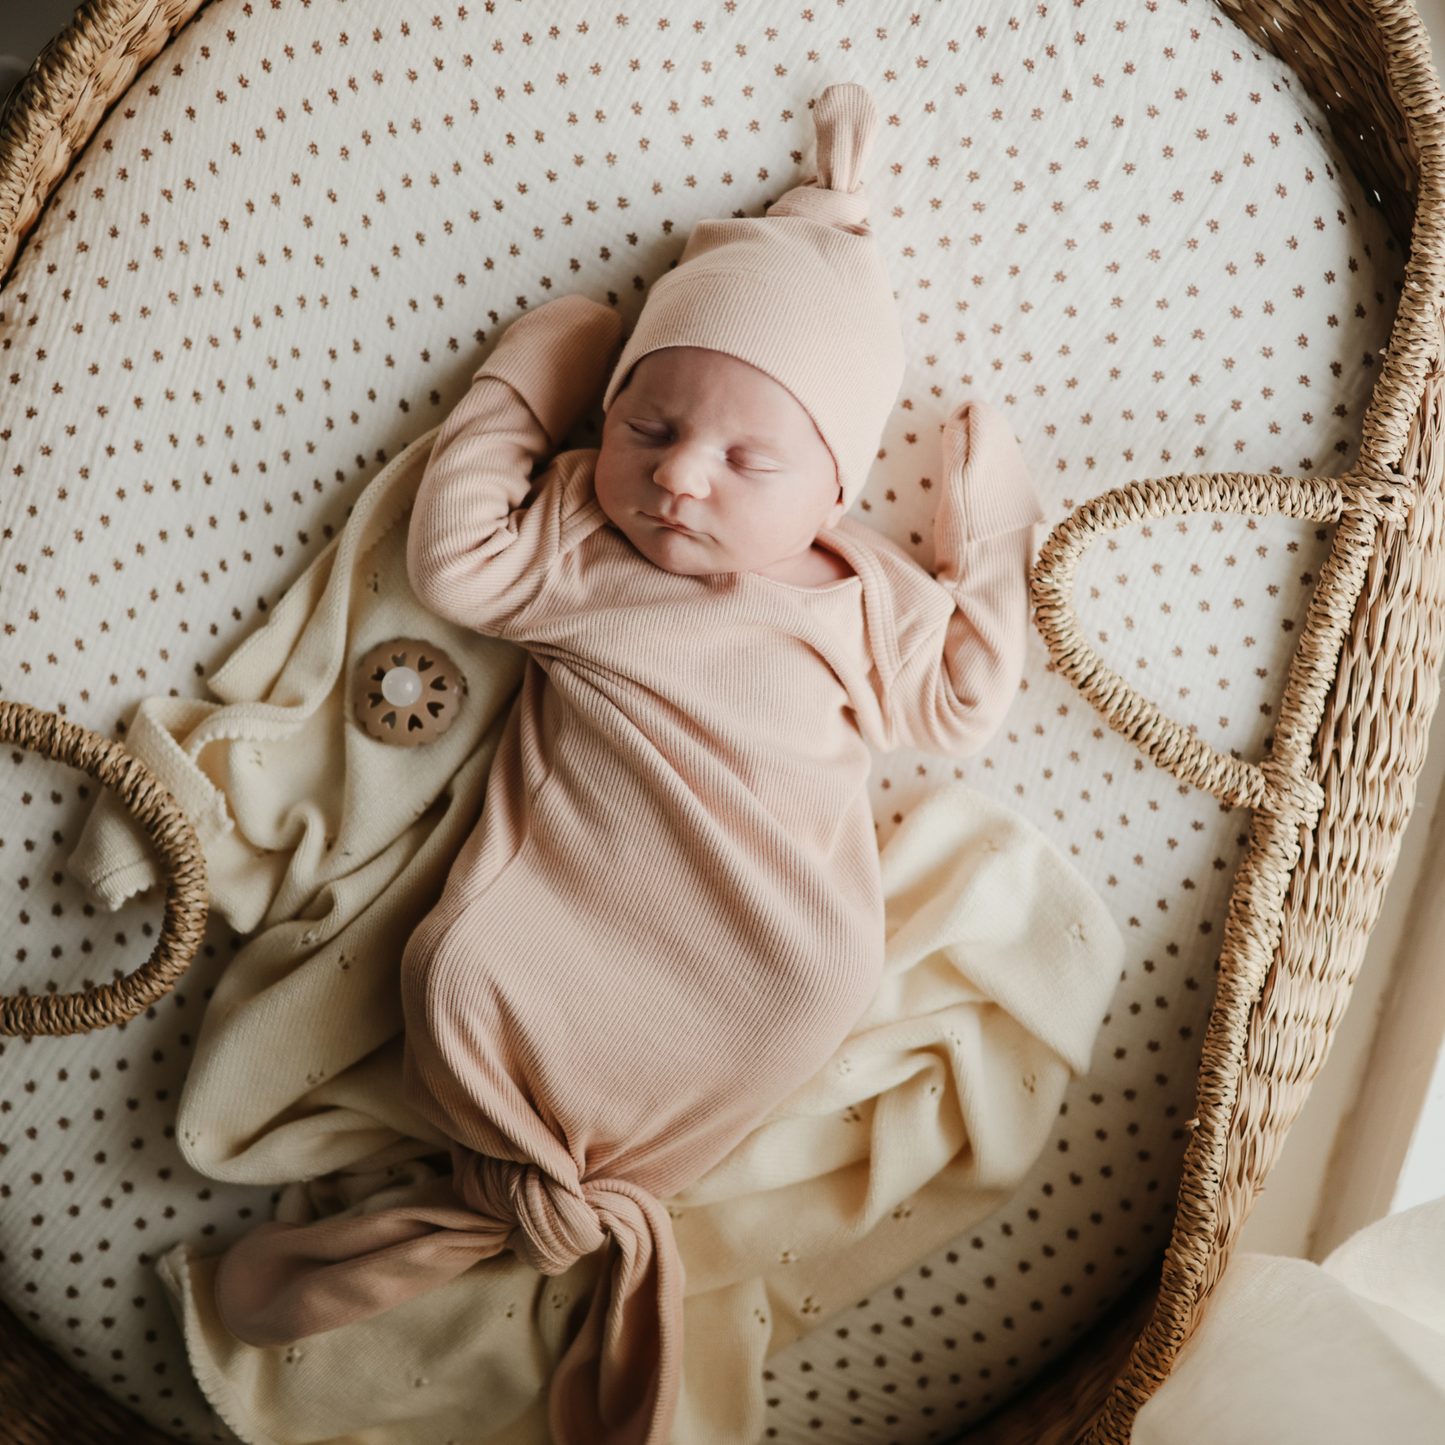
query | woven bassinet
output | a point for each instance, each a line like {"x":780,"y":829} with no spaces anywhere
{"x":1330,"y":801}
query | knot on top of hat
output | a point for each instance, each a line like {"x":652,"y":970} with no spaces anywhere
{"x":808,"y":305}
{"x":846,"y":120}
{"x":847,"y":210}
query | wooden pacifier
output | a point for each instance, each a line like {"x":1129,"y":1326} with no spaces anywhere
{"x":406,"y":693}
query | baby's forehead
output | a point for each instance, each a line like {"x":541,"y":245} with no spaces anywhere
{"x":695,"y":380}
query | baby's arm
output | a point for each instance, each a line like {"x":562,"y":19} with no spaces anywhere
{"x":949,"y":699}
{"x":471,"y":539}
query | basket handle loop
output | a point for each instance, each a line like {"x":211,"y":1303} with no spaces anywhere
{"x":1272,"y":785}
{"x":168,"y":828}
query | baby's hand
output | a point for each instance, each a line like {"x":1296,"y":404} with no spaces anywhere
{"x":595,"y":331}
{"x":985,"y":478}
{"x":557,"y":358}
{"x":955,"y":452}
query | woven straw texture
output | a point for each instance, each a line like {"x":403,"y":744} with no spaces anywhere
{"x":1330,"y":800}
{"x":175,"y":840}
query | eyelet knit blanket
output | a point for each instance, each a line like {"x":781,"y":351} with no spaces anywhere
{"x":997,"y":966}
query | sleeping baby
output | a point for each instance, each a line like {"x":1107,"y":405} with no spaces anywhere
{"x":670,"y":912}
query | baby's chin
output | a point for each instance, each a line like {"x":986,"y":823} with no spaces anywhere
{"x":681,"y":554}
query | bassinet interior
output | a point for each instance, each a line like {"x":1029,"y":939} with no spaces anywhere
{"x":283,"y":254}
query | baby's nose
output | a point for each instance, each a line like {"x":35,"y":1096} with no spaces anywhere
{"x":683,"y":473}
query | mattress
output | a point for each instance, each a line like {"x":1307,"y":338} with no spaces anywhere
{"x":284,"y":253}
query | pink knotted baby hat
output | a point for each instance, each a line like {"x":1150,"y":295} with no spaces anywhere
{"x":801,"y":293}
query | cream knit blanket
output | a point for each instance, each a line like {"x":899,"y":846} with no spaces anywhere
{"x":999,"y":963}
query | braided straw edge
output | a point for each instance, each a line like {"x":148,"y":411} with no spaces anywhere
{"x":1318,"y":859}
{"x":166,"y":825}
{"x":46,"y":119}
{"x":44,"y":1402}
{"x":54,"y":110}
{"x":1287,"y":802}
{"x":1275,"y":903}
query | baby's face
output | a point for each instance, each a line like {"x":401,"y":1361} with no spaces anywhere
{"x":709,"y":465}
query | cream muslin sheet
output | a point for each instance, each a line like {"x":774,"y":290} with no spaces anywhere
{"x":331,"y":847}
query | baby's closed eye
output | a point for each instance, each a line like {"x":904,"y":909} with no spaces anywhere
{"x":752,"y":462}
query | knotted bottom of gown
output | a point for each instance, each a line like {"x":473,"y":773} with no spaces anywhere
{"x":619,"y":1378}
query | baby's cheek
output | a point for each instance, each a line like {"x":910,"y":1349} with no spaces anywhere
{"x":605,"y":482}
{"x":611,"y":493}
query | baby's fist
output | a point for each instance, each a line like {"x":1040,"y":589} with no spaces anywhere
{"x":595,"y":330}
{"x":984,"y":473}
{"x":557,"y":359}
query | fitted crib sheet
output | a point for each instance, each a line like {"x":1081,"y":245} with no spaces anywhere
{"x":284,"y":253}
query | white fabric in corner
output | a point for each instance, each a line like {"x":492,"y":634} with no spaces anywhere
{"x":1294,"y":1353}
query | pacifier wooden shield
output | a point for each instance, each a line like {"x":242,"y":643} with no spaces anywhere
{"x":406,"y":693}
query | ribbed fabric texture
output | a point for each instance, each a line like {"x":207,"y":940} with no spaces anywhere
{"x":846,"y":121}
{"x":671,"y":912}
{"x":801,"y":293}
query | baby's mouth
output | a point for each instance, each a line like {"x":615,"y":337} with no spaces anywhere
{"x":670,"y":525}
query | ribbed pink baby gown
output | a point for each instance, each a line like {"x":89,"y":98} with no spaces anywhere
{"x":670,"y":912}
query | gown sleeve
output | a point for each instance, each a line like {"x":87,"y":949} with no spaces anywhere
{"x":476,"y":550}
{"x":956,"y":678}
